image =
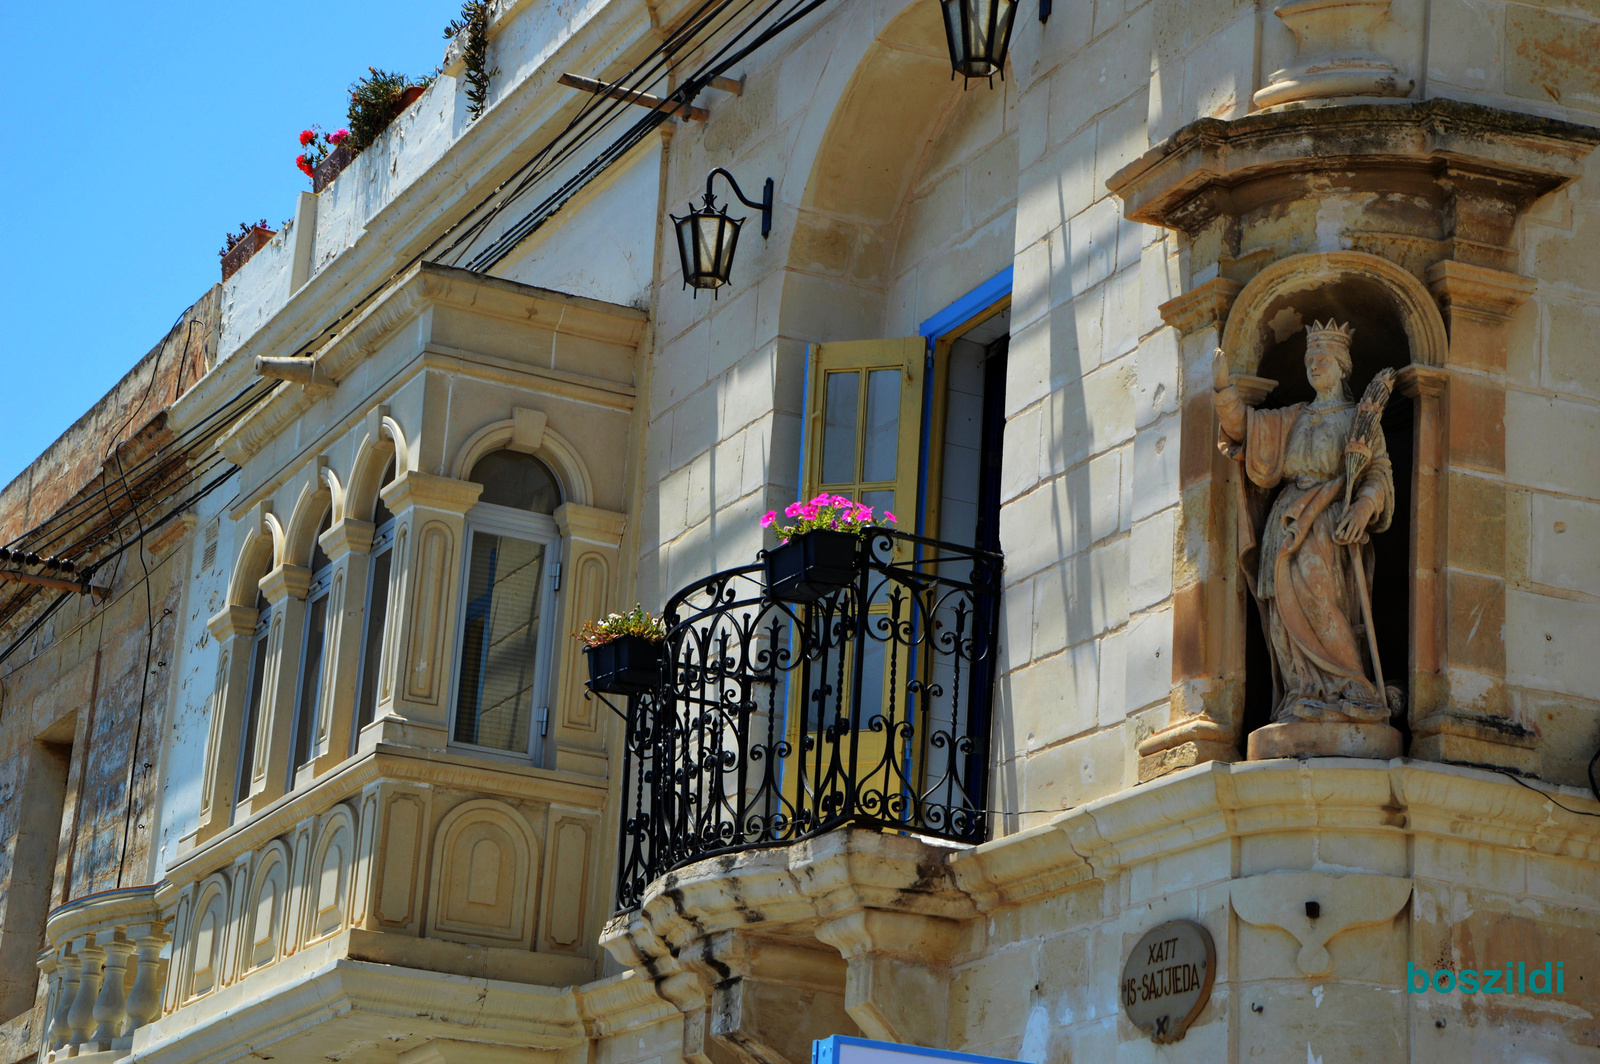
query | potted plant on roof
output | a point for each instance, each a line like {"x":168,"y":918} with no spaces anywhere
{"x":822,"y":550}
{"x":238,"y":247}
{"x":626,"y":652}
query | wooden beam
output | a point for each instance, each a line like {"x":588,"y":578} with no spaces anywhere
{"x":736,"y":87}
{"x":55,"y":582}
{"x":643,"y":99}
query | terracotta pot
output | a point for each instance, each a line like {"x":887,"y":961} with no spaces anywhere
{"x":627,"y":665}
{"x":240,"y":253}
{"x":812,"y":565}
{"x":328,"y":169}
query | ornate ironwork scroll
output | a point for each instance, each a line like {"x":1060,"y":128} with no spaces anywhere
{"x":778,"y":721}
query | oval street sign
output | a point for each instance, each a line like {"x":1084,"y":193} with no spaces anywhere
{"x":1167,"y":979}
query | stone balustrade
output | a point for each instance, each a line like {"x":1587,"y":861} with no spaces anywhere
{"x":105,"y":969}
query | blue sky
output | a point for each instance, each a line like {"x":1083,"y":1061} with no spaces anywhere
{"x":138,"y":134}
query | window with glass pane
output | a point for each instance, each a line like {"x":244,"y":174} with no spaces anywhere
{"x":861,"y":435}
{"x":500,"y":639}
{"x":252,"y":698}
{"x":316,"y":631}
{"x":376,"y":614}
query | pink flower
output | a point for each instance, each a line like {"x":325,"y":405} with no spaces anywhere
{"x":338,"y":137}
{"x":889,"y":517}
{"x":771,"y":516}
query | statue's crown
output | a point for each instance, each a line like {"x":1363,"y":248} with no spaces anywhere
{"x":1329,"y":330}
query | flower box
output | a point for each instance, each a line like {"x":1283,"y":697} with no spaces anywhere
{"x":812,"y":565}
{"x":248,"y":245}
{"x":626,"y":665}
{"x":329,"y":168}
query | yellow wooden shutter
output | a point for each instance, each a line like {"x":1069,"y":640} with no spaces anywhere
{"x":864,"y":425}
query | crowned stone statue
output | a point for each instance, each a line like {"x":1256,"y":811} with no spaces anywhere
{"x":1316,"y":484}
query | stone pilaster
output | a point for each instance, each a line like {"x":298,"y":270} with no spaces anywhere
{"x":413,"y":687}
{"x":1460,"y":710}
{"x":348,"y":545}
{"x":285,"y":588}
{"x":233,"y":628}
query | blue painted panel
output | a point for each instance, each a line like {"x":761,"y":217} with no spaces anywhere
{"x":843,"y":1049}
{"x":985,"y":295}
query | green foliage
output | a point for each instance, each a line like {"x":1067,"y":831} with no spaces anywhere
{"x":474,"y":22}
{"x":375,"y":101}
{"x":231,"y":240}
{"x":637,"y":621}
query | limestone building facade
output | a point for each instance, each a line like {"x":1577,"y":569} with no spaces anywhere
{"x":1071,"y":324}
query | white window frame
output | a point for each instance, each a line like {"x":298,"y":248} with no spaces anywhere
{"x":536,"y":528}
{"x":259,"y":644}
{"x":382,"y":541}
{"x":321,"y":583}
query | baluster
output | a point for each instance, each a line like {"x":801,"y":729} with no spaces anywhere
{"x":60,"y":1024}
{"x":110,"y":1007}
{"x":81,"y":1018}
{"x":144,"y":1000}
{"x":52,"y":974}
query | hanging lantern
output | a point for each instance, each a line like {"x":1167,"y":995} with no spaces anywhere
{"x":707,"y":236}
{"x":979,"y":35}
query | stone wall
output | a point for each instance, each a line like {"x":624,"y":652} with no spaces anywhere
{"x":85,"y":689}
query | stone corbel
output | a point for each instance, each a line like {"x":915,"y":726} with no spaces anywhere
{"x":754,"y":986}
{"x":1315,"y":907}
{"x":897,"y":973}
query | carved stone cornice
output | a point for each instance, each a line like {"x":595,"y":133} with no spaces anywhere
{"x":591,"y":524}
{"x":1204,"y":305}
{"x":232,"y":621}
{"x":1215,"y":166}
{"x":1489,"y":295}
{"x":1417,"y":380}
{"x":429,"y":490}
{"x":350,"y":536}
{"x":285,"y":582}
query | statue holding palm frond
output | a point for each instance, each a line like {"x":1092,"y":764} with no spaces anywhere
{"x":1317,"y":484}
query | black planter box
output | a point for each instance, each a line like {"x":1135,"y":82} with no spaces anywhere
{"x":812,"y":565}
{"x":628,"y":665}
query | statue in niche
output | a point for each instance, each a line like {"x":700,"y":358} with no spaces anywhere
{"x":1317,"y":484}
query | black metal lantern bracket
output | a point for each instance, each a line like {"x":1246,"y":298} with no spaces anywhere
{"x":764,"y":206}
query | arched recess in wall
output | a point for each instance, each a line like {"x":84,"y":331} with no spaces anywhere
{"x":265,"y":906}
{"x":1397,"y":324}
{"x":300,"y":540}
{"x":205,"y":968}
{"x":257,"y":556}
{"x":552,"y":449}
{"x":484,"y":880}
{"x":328,"y":899}
{"x":377,"y":449}
{"x":873,"y":130}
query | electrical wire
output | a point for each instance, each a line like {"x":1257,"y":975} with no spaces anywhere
{"x":1552,"y":798}
{"x":526,"y":174}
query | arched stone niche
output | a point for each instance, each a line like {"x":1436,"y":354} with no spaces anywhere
{"x":1431,"y":194}
{"x":1397,"y":326}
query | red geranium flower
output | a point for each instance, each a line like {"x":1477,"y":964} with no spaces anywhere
{"x":306,"y":137}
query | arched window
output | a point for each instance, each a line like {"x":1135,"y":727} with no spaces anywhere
{"x":377,"y":611}
{"x":252,"y":697}
{"x":309,"y":688}
{"x":512,"y":573}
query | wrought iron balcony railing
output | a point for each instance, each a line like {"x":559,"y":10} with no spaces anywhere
{"x":775,"y":721}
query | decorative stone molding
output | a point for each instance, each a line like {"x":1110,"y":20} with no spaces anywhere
{"x":1315,"y":907}
{"x":885,"y":904}
{"x":1204,"y":305}
{"x":1212,"y":167}
{"x":1333,"y":40}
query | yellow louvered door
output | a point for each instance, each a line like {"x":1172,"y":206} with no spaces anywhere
{"x":863,"y":437}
